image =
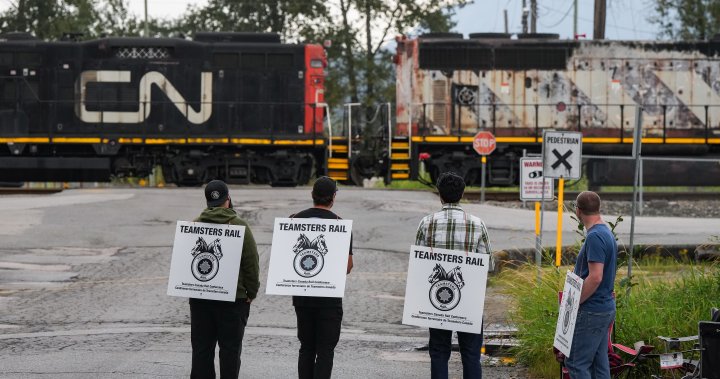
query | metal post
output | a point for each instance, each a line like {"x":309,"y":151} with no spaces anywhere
{"x":524,"y":17}
{"x":542,"y":214}
{"x":330,"y":131}
{"x":506,"y":21}
{"x":147,"y":27}
{"x":558,"y":248}
{"x":533,"y":16}
{"x":389,"y":125}
{"x":538,"y":231}
{"x":350,"y":105}
{"x":349,"y":132}
{"x":637,"y":144}
{"x":640,"y":188}
{"x":482,"y":179}
{"x":575,"y":19}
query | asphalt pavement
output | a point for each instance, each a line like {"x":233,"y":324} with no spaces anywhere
{"x":83,"y":279}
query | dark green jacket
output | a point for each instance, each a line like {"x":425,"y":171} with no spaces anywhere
{"x":248,"y":276}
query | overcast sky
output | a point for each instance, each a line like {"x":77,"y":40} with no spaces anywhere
{"x":626,"y":19}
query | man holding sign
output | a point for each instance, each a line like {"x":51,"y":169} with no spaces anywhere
{"x":453,"y":229}
{"x":221,"y":322}
{"x":319,"y":318}
{"x":596,"y":264}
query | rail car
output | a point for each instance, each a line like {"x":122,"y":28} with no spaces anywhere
{"x":243,"y":107}
{"x":450,"y":87}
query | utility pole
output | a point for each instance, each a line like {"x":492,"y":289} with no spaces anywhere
{"x":575,"y":18}
{"x":524,"y":17}
{"x":506,"y":22}
{"x":599,"y":20}
{"x":533,"y":16}
{"x":147,"y":28}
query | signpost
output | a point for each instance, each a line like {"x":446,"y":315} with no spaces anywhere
{"x":484,"y":144}
{"x":562,"y":159}
{"x":533,"y":186}
{"x":205,"y":260}
{"x":309,"y":257}
{"x":445,"y":289}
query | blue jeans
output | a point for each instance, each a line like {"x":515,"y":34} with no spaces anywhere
{"x":589,"y":353}
{"x":441,"y":346}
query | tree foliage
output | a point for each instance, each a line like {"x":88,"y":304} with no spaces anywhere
{"x":361,"y":67}
{"x":50,"y":19}
{"x":292,"y":19}
{"x":687,"y":19}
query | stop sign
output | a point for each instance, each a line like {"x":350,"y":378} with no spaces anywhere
{"x":484,"y":143}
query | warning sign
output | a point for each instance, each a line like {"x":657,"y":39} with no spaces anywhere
{"x":531,"y":181}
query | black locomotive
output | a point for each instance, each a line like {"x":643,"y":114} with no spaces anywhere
{"x":243,"y":107}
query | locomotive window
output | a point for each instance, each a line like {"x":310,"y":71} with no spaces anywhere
{"x":5,"y":59}
{"x":251,"y":61}
{"x":225,"y":60}
{"x":280,"y":60}
{"x":28,"y":59}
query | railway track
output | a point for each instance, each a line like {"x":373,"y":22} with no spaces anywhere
{"x":30,"y":191}
{"x":615,"y":196}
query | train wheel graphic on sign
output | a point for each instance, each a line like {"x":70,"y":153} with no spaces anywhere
{"x":445,"y":289}
{"x":309,"y":255}
{"x":206,"y":262}
{"x":569,"y":303}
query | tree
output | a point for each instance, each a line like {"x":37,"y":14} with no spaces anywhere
{"x":362,"y":70}
{"x":50,"y":19}
{"x":292,"y":19}
{"x":687,"y":19}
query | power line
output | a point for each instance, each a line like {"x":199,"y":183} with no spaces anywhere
{"x":614,"y":26}
{"x":561,"y":20}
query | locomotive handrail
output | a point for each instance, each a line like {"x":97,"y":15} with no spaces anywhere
{"x":702,"y":128}
{"x":350,"y":105}
{"x":327,"y":107}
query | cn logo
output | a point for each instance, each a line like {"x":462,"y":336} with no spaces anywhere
{"x":146,"y":82}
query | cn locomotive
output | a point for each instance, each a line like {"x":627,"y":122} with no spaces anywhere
{"x":246,"y":108}
{"x":450,"y":87}
{"x":243,"y":107}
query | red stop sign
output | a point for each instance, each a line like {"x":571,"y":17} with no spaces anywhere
{"x":484,"y":143}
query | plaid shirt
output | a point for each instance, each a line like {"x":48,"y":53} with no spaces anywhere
{"x":454,"y":229}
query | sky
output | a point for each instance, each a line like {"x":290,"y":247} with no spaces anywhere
{"x":626,"y":19}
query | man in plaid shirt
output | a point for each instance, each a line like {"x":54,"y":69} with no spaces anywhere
{"x":453,"y":229}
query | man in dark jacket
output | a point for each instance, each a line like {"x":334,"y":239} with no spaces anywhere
{"x":222,"y":322}
{"x":319,"y":318}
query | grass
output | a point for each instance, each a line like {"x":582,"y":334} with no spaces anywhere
{"x":667,"y":298}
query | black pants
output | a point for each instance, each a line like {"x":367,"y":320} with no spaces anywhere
{"x":318,"y":332}
{"x":217,"y":322}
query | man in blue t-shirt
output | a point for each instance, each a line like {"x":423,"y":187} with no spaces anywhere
{"x":596,"y":264}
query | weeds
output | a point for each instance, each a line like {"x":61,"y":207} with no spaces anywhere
{"x":669,"y":305}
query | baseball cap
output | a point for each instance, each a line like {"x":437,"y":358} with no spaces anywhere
{"x":324,"y":187}
{"x":216,"y":192}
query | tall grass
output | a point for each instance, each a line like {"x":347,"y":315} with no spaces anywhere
{"x":668,"y":305}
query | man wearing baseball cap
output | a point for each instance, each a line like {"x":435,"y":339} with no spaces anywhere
{"x":319,"y":318}
{"x":220,"y":322}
